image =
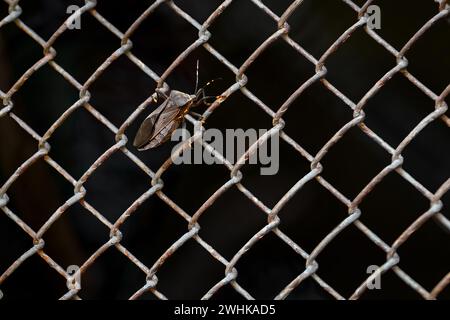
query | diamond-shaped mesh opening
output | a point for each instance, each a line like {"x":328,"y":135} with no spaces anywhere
{"x":234,"y":34}
{"x":18,"y":63}
{"x":200,"y":10}
{"x":187,"y":175}
{"x":98,"y":44}
{"x":189,"y":273}
{"x":430,"y":159}
{"x":343,"y":257}
{"x":18,"y":240}
{"x":111,"y":264}
{"x":404,"y":108}
{"x":436,"y":61}
{"x":138,"y":234}
{"x":425,"y":245}
{"x":107,"y":200}
{"x":311,"y":213}
{"x":400,"y":208}
{"x":268,"y":267}
{"x":356,"y":56}
{"x":281,"y":62}
{"x":232,"y":215}
{"x":277,"y":6}
{"x":351,"y":171}
{"x":45,"y":17}
{"x":109,"y":9}
{"x":305,"y":29}
{"x":38,"y":182}
{"x":44,"y":98}
{"x":235,"y":105}
{"x":316,"y":102}
{"x":309,"y":290}
{"x":287,"y":168}
{"x":391,"y":288}
{"x":16,"y":148}
{"x":120,"y":89}
{"x":78,"y":229}
{"x":227,"y":293}
{"x":154,"y":39}
{"x":84,"y":132}
{"x":22,"y":277}
{"x":399,"y":33}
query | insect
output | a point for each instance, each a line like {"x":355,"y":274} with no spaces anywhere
{"x":157,"y":128}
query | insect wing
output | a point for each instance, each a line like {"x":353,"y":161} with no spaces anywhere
{"x":164,"y":134}
{"x":179,"y":98}
{"x":147,"y":127}
{"x":158,"y":126}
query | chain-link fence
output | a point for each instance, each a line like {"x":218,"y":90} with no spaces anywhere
{"x":15,"y":16}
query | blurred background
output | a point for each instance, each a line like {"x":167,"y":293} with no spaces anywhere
{"x":233,"y":219}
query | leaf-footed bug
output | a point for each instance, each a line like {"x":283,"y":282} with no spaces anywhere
{"x":157,"y":128}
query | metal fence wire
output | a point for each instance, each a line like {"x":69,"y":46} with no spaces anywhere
{"x":280,"y":117}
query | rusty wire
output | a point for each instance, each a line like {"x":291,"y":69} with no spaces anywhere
{"x":157,"y":187}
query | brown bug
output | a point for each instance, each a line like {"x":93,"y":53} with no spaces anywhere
{"x":157,"y":128}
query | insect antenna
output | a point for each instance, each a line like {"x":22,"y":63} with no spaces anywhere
{"x":201,"y":91}
{"x":196,"y":78}
{"x":205,"y":98}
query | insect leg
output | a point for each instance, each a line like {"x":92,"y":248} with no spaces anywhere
{"x":203,"y":100}
{"x":160,"y":93}
{"x":195,"y":114}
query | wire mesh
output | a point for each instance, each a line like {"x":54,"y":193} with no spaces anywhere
{"x":235,"y":181}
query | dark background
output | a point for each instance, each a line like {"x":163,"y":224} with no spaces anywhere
{"x":233,"y":219}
